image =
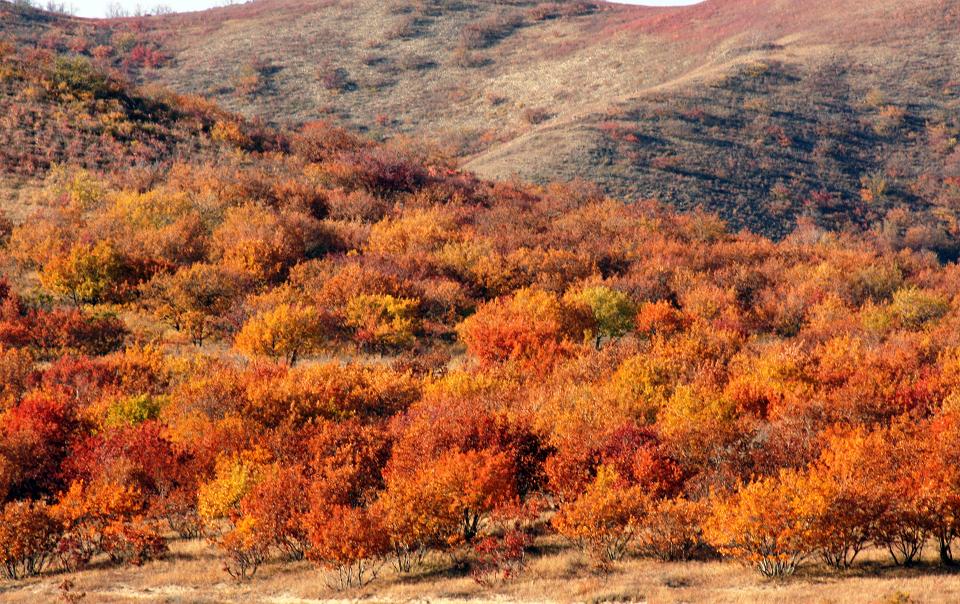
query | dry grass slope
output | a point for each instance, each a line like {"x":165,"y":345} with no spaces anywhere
{"x":765,"y":111}
{"x":746,"y":108}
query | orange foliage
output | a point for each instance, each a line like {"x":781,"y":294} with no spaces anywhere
{"x":668,"y":385}
{"x":605,"y":518}
{"x":760,"y":526}
{"x":447,"y":501}
{"x":349,"y":541}
{"x":533,"y":328}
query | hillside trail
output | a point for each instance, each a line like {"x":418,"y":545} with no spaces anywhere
{"x":789,"y":49}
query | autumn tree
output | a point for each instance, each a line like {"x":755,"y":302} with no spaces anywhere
{"x":16,"y":373}
{"x":349,"y":541}
{"x":445,"y":503}
{"x":659,"y":317}
{"x":320,"y":140}
{"x":263,"y":244}
{"x":285,"y":333}
{"x":139,"y":455}
{"x":276,"y":505}
{"x":672,"y":530}
{"x":35,"y":437}
{"x":28,"y":538}
{"x":532,"y":327}
{"x":135,"y":541}
{"x":235,"y":476}
{"x":382,"y":321}
{"x":89,"y":513}
{"x":605,"y":518}
{"x":612,"y":311}
{"x":277,"y":395}
{"x":159,"y":227}
{"x":346,"y":461}
{"x":760,"y":525}
{"x":842,"y":498}
{"x":86,"y":273}
{"x":899,"y":474}
{"x":914,"y":307}
{"x":940,"y":481}
{"x":500,"y":558}
{"x":245,"y":548}
{"x":193,"y":298}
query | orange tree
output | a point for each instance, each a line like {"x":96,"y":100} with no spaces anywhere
{"x":760,"y":525}
{"x":604,"y":519}
{"x":939,"y":478}
{"x":533,"y":328}
{"x":245,"y":548}
{"x":843,"y":498}
{"x":28,"y":538}
{"x":90,"y":514}
{"x":276,"y":505}
{"x":349,"y":541}
{"x":193,"y":298}
{"x":445,"y":502}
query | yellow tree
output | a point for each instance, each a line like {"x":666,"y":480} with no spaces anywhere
{"x":613,"y":311}
{"x":760,"y":525}
{"x":383,"y":321}
{"x":234,"y":477}
{"x":85,"y":274}
{"x":286,"y":332}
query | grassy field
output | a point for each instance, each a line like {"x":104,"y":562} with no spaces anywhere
{"x":558,"y":574}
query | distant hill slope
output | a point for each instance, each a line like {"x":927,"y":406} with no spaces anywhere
{"x":765,"y":111}
{"x":60,"y":107}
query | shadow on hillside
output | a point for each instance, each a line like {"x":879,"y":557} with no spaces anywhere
{"x":875,"y":569}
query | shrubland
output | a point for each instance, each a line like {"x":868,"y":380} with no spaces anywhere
{"x":313,"y":346}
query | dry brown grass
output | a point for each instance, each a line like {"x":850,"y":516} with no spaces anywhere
{"x":192,"y":574}
{"x":410,"y":72}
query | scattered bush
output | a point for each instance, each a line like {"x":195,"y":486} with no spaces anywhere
{"x":535,"y":115}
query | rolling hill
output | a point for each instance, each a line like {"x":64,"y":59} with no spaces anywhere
{"x":247,"y":354}
{"x":764,"y":111}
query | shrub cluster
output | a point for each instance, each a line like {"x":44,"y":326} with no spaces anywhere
{"x":257,"y":350}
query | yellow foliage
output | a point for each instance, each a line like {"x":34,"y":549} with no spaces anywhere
{"x":233,"y":478}
{"x":417,"y":231}
{"x":286,"y":332}
{"x":383,"y":320}
{"x":87,"y":273}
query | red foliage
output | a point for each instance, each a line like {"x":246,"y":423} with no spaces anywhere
{"x":140,"y":457}
{"x":58,"y":331}
{"x":500,"y":559}
{"x":35,"y":436}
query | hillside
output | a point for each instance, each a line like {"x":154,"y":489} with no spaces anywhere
{"x":244,"y":361}
{"x":765,"y":111}
{"x":59,"y":107}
